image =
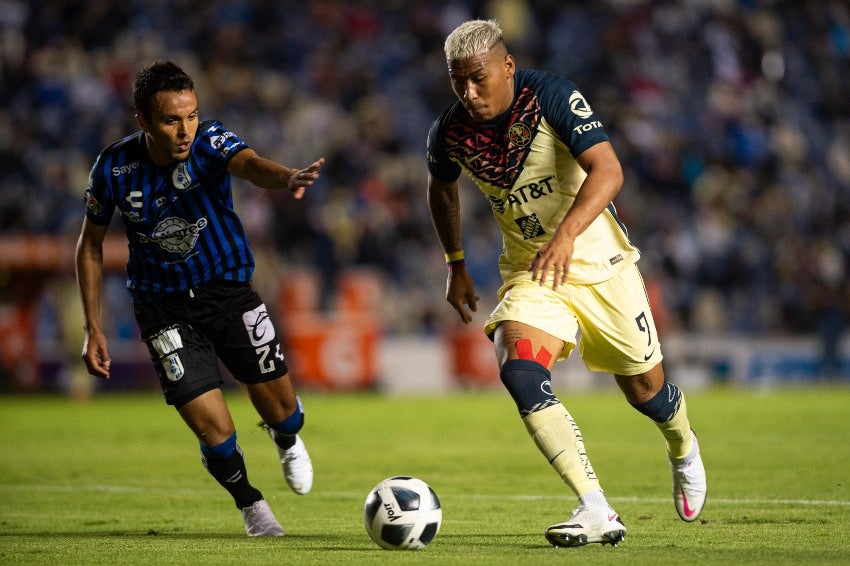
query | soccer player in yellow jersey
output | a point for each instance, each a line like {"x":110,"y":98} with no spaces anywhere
{"x":534,"y":147}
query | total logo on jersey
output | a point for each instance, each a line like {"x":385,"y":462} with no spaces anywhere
{"x":175,"y":235}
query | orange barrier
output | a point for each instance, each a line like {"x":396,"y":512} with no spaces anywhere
{"x":473,"y":360}
{"x":333,"y":351}
{"x":18,"y":355}
{"x":53,"y":253}
{"x":360,"y":290}
{"x":299,"y":292}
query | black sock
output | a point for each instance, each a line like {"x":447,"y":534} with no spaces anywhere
{"x":231,"y":473}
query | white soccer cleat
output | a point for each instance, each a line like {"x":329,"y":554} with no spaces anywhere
{"x":297,"y":466}
{"x":260,"y":521}
{"x":586,"y":526}
{"x":689,"y":484}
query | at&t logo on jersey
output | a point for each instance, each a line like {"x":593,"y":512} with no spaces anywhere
{"x":523,"y":194}
{"x":175,"y":234}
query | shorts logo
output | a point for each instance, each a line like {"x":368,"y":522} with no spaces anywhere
{"x":173,"y":367}
{"x":530,"y":227}
{"x":166,"y":344}
{"x":259,"y":326}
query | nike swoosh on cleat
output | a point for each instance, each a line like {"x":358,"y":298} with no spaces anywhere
{"x":612,"y":517}
{"x":685,"y":507}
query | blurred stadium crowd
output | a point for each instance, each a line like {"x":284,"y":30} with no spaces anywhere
{"x":732,"y":119}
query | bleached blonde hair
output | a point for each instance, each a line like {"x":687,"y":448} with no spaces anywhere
{"x":471,"y":38}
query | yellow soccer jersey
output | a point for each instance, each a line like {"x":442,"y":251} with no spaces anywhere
{"x":524,"y":163}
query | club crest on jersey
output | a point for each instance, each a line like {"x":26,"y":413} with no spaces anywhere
{"x":519,"y":134}
{"x":180,"y":177}
{"x":92,"y":204}
{"x":175,"y":234}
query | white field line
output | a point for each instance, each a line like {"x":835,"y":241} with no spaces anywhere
{"x":10,"y":488}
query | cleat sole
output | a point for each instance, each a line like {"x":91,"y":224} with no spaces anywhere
{"x":559,"y":540}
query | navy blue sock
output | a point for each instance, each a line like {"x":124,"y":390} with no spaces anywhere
{"x":664,"y":405}
{"x":284,"y":432}
{"x":529,"y":384}
{"x":225,"y":463}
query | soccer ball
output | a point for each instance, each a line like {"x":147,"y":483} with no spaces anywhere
{"x":402,"y":513}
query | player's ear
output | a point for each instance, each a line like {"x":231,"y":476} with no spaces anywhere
{"x":510,"y":65}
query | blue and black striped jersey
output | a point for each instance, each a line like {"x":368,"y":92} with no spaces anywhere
{"x":182,"y":230}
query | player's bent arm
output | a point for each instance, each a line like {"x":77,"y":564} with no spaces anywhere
{"x":268,"y":174}
{"x":89,"y":266}
{"x":604,"y":180}
{"x":602,"y":183}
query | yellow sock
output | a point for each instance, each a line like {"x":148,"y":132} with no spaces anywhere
{"x":677,"y":433}
{"x":558,"y":437}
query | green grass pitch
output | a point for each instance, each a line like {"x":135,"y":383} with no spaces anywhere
{"x":118,"y":480}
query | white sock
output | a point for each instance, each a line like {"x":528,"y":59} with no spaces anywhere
{"x":594,"y":500}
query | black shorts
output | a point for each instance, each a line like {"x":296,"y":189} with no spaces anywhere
{"x":188,"y":333}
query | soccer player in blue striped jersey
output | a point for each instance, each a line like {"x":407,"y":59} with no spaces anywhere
{"x":532,"y":144}
{"x":189,"y":276}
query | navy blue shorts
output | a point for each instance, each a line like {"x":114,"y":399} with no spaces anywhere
{"x":188,"y":333}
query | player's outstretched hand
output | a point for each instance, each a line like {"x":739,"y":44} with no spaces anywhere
{"x":300,"y":179}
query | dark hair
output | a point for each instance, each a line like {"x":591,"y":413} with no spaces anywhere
{"x":158,"y":77}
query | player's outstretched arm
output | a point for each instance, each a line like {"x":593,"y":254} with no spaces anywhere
{"x":89,"y":265}
{"x":268,"y":174}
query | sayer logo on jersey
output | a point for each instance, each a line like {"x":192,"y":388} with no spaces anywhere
{"x":259,"y":326}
